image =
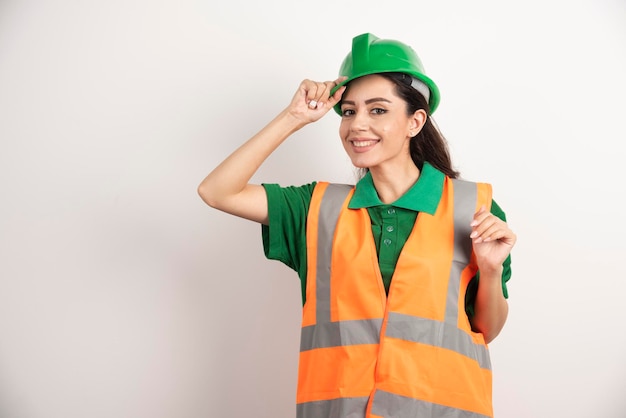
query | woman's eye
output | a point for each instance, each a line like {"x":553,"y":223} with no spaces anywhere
{"x":378,"y":111}
{"x":347,"y":112}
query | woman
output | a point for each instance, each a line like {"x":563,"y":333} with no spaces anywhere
{"x":403,"y":275}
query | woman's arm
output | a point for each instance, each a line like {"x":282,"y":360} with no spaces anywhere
{"x":226,"y":188}
{"x":492,"y":241}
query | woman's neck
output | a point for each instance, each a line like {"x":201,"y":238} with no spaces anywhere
{"x":392,"y":183}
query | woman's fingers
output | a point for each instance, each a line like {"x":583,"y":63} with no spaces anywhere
{"x":318,"y":93}
{"x":488,"y":227}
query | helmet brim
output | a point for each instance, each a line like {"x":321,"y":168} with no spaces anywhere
{"x":433,"y":103}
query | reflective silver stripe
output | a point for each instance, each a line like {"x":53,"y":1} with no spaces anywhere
{"x":330,"y":207}
{"x":389,"y":405}
{"x":438,"y":334}
{"x":335,"y":334}
{"x":334,"y":408}
{"x":464,"y":207}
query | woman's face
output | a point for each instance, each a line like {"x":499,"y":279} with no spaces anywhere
{"x":375,"y":129}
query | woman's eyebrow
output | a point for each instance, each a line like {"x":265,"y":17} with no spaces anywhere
{"x":368,"y":101}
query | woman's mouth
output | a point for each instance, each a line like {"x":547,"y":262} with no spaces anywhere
{"x":363,"y":143}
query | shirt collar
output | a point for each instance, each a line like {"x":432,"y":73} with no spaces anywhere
{"x":423,"y":196}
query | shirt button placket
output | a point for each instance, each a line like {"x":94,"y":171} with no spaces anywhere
{"x":388,"y":227}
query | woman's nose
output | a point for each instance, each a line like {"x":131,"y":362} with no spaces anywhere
{"x":360,"y":121}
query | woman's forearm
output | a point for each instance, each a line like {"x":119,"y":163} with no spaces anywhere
{"x":232,"y":176}
{"x":490,"y":308}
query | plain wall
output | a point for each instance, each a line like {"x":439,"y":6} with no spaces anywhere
{"x":122,"y":295}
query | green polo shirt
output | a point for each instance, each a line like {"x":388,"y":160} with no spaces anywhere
{"x":285,"y":237}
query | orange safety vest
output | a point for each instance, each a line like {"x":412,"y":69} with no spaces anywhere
{"x":410,"y":353}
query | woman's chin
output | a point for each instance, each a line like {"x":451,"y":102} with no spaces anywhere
{"x":361,"y":162}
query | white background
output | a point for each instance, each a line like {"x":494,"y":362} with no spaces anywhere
{"x":123,"y":296}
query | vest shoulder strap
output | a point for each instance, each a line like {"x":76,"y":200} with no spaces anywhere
{"x":334,"y":196}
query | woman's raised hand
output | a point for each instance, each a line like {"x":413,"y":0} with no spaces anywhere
{"x":312,"y":100}
{"x":492,"y":239}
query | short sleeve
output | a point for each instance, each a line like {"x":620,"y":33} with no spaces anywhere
{"x":284,"y":238}
{"x":506,"y":272}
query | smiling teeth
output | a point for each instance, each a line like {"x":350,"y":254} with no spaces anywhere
{"x":363,"y":143}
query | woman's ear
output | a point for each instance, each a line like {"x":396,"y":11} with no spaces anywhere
{"x":417,"y":122}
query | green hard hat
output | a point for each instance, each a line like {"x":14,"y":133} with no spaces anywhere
{"x":371,"y":55}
